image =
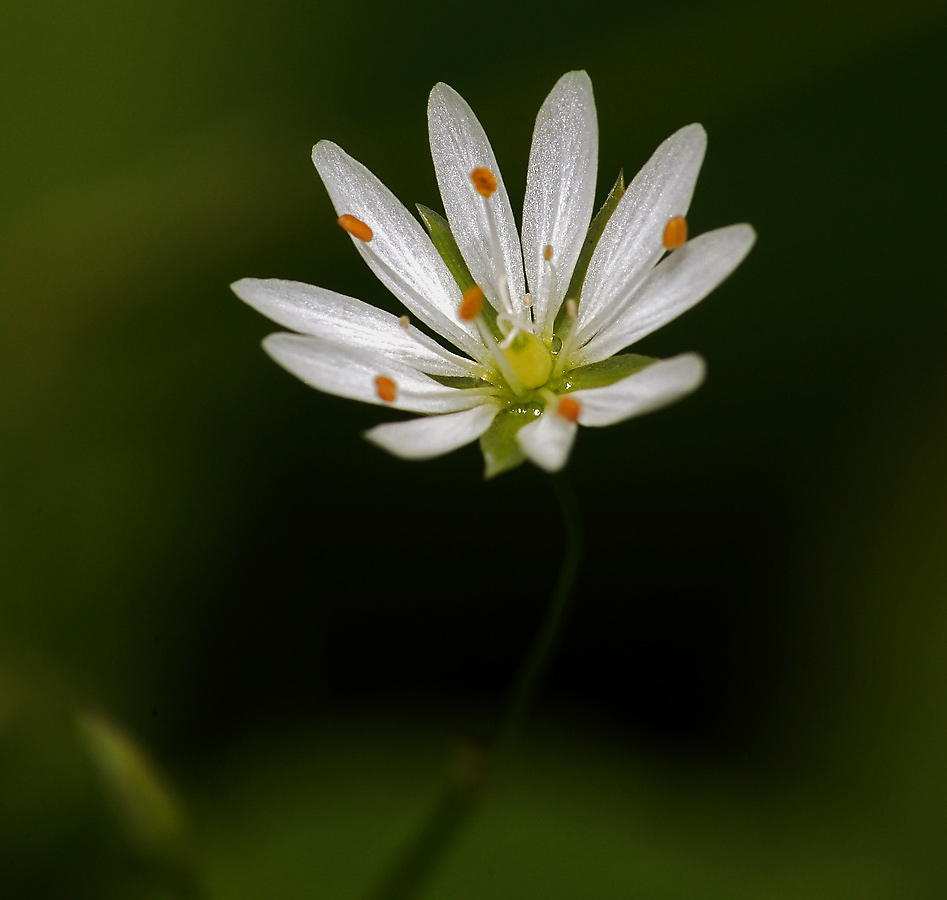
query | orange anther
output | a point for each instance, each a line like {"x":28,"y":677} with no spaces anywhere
{"x":675,"y":233}
{"x":355,"y":227}
{"x":547,"y":252}
{"x":569,"y":409}
{"x":483,"y":181}
{"x":386,"y":388}
{"x":472,"y":303}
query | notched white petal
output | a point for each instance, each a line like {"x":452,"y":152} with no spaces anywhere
{"x":433,"y":435}
{"x":458,"y":146}
{"x":547,"y":441}
{"x":399,"y":253}
{"x":658,"y":385}
{"x":560,"y":191}
{"x":678,"y":283}
{"x":632,"y":240}
{"x":351,"y":373}
{"x":349,"y":323}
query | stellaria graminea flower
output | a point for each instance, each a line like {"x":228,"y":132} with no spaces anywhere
{"x":537,"y":342}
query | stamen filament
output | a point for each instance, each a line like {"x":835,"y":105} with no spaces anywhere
{"x":550,"y":274}
{"x":572,"y":310}
{"x":485,"y":184}
{"x":502,"y":284}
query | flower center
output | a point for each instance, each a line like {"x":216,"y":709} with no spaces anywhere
{"x":529,"y":359}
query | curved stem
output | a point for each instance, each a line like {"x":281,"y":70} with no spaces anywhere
{"x":414,"y":867}
{"x":418,"y":861}
{"x":546,"y":643}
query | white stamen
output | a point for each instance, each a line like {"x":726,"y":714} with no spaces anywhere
{"x":501,"y":287}
{"x":549,"y":279}
{"x":553,"y":271}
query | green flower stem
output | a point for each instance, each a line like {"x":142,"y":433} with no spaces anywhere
{"x":182,"y":881}
{"x":544,"y":648}
{"x":412,"y":870}
{"x":416,"y":864}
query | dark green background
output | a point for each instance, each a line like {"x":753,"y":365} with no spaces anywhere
{"x":751,"y":700}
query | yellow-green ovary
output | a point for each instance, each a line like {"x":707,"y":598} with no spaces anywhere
{"x":529,"y":359}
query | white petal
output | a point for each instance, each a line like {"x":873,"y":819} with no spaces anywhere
{"x":399,"y":253}
{"x":560,"y":191}
{"x":632,"y":241}
{"x":679,"y":282}
{"x":458,"y":146}
{"x":348,"y":322}
{"x":351,"y":373}
{"x":433,"y":435}
{"x":548,"y":440}
{"x":658,"y":385}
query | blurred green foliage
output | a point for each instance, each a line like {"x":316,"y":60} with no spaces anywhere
{"x":751,"y":700}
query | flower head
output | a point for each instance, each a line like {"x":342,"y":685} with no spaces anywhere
{"x":535,"y":325}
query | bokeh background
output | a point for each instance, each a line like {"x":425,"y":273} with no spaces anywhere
{"x":751,"y":699}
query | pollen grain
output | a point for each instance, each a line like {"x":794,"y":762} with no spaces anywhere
{"x":386,"y":389}
{"x":355,"y":227}
{"x":472,"y":303}
{"x":483,"y":181}
{"x":675,"y":233}
{"x":569,"y":408}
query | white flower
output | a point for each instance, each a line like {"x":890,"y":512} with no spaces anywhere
{"x":536,"y":347}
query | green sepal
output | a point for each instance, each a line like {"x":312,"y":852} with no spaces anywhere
{"x":498,"y":443}
{"x":591,"y":242}
{"x":148,"y":808}
{"x":461,"y":382}
{"x":443,"y":239}
{"x":606,"y":371}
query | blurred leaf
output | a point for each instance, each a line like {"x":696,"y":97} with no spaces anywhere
{"x":578,"y":816}
{"x":145,"y":804}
